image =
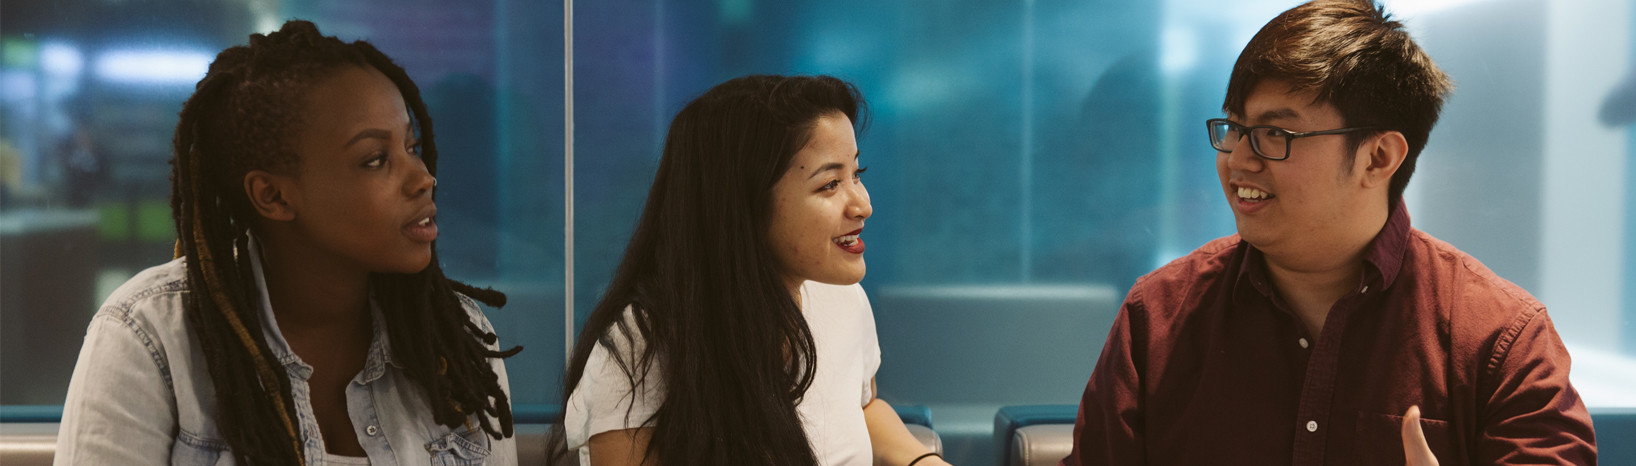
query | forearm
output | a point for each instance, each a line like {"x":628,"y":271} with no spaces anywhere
{"x":892,"y":443}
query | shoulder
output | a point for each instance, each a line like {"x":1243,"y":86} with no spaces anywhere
{"x":623,"y":337}
{"x":153,"y":293}
{"x":151,"y":307}
{"x":1475,"y":283}
{"x":1172,"y":285}
{"x":474,"y":312}
{"x":1476,"y":305}
{"x":144,"y":320}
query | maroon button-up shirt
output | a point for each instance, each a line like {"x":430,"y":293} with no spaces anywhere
{"x":1207,"y":365}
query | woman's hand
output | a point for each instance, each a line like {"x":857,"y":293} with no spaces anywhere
{"x":1415,"y":450}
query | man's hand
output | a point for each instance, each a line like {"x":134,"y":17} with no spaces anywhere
{"x":1415,"y":450}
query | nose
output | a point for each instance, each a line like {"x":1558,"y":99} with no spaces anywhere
{"x":1243,"y":157}
{"x":858,"y":206}
{"x":420,"y":182}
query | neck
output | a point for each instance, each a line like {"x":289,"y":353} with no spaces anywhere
{"x":310,"y":290}
{"x":1313,"y":275}
{"x":1320,"y":284}
{"x":794,"y":285}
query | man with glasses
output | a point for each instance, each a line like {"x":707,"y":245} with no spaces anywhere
{"x":1328,"y":331}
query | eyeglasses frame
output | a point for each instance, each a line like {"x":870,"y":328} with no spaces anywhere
{"x":1289,"y":136}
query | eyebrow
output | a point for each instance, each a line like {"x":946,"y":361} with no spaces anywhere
{"x":831,"y":166}
{"x":1278,"y":114}
{"x":372,"y":133}
{"x":377,"y":133}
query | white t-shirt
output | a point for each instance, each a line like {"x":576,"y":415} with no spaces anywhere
{"x":843,"y":329}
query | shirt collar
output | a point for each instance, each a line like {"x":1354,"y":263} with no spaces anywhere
{"x":1383,"y":256}
{"x":1386,"y":251}
{"x":380,"y":347}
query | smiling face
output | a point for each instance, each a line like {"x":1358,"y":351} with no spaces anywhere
{"x":362,"y":194}
{"x":819,"y":207}
{"x":1307,"y":200}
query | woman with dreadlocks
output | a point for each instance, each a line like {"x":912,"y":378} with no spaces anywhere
{"x":734,"y":331}
{"x":305,"y":320}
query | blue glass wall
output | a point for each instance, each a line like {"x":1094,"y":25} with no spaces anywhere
{"x":87,"y":140}
{"x":1029,"y":159}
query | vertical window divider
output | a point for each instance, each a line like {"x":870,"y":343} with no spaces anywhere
{"x":568,"y":180}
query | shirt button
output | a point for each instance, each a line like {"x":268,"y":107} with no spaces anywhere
{"x":1304,"y":343}
{"x":372,"y":430}
{"x":1312,"y":426}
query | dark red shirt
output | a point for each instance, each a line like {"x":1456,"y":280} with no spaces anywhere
{"x":1206,"y":365}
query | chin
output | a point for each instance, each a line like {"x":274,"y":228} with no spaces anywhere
{"x":844,"y":277}
{"x":413,"y":264}
{"x":1258,"y":237}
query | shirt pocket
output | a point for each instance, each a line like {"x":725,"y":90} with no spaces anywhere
{"x":193,"y":450}
{"x":1380,"y":440}
{"x":462,"y":447}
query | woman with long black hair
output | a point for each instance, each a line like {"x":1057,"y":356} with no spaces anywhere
{"x":305,"y":319}
{"x":734,"y":331}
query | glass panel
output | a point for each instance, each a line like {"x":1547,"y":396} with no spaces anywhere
{"x":1029,"y":159}
{"x":91,"y":91}
{"x":1529,"y":169}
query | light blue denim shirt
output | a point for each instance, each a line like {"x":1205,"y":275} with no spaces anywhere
{"x":141,"y":393}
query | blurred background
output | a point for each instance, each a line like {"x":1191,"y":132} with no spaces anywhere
{"x":1029,"y":159}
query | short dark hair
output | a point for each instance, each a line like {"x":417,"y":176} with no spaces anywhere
{"x":1356,"y":57}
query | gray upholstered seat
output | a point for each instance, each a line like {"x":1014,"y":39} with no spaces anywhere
{"x":1041,"y":445}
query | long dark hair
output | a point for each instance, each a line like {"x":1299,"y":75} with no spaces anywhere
{"x":711,"y":312}
{"x":240,"y":118}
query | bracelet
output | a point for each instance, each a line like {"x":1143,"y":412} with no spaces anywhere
{"x":921,"y":457}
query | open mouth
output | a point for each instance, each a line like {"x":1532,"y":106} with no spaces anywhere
{"x":1253,"y":196}
{"x":424,"y":227}
{"x":850,"y":242}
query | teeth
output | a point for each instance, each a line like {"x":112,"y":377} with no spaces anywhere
{"x":424,"y":221}
{"x":1252,"y":193}
{"x":846,"y":240}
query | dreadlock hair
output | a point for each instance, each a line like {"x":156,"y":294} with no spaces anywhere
{"x":241,"y":118}
{"x":712,"y":314}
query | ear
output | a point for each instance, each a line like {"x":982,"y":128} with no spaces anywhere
{"x":274,"y":196}
{"x":1380,"y":157}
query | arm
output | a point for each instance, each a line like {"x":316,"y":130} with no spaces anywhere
{"x":1532,"y":413}
{"x":1109,"y":428}
{"x":624,"y":447}
{"x":891,"y":441}
{"x":120,"y":408}
{"x":605,"y":414}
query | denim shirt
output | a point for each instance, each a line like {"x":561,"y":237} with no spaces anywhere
{"x":142,"y":394}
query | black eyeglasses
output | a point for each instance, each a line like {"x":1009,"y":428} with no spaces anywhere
{"x":1269,"y":142}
